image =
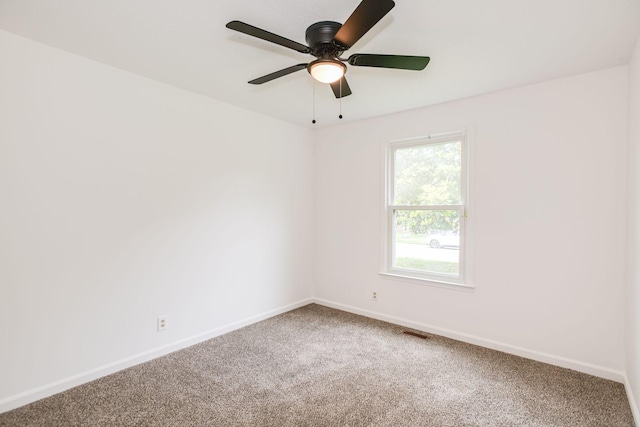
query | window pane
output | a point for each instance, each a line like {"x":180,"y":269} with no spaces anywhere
{"x":428,"y":241}
{"x":428,"y":174}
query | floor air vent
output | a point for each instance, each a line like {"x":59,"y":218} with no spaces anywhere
{"x":417,"y":335}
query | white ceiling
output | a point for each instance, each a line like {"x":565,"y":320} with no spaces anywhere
{"x":475,"y":46}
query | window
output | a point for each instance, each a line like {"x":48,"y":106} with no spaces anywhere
{"x":426,"y":208}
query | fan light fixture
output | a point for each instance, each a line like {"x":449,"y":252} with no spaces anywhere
{"x":327,"y":70}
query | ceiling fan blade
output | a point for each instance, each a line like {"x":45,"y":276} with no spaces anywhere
{"x":266,"y":35}
{"x":277,"y":74}
{"x":366,"y":15}
{"x":389,"y":61}
{"x":337,"y":91}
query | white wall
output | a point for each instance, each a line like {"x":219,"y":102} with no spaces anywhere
{"x":633,"y":292}
{"x":547,"y":217}
{"x":123,"y":199}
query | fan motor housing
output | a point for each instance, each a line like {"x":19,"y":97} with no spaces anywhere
{"x":320,"y":36}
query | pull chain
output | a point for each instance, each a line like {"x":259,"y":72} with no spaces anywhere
{"x":314,"y":102}
{"x":340,"y":116}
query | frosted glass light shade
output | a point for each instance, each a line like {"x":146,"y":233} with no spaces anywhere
{"x":327,"y":71}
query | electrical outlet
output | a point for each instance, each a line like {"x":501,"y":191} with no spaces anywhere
{"x":374,"y":295}
{"x":163,"y":323}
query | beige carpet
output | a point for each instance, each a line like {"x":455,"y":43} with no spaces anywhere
{"x":317,"y":366}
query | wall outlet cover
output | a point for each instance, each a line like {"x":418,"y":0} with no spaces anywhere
{"x":163,"y":323}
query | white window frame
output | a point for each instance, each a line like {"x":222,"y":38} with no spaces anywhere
{"x":390,"y":208}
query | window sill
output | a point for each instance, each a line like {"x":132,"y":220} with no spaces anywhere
{"x":428,"y":282}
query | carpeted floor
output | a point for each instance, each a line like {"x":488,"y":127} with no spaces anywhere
{"x":316,"y":366}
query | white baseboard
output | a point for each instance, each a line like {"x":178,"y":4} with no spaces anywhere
{"x":632,"y":400}
{"x":587,"y":368}
{"x":47,"y":390}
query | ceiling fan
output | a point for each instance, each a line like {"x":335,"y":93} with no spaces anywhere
{"x":327,"y":40}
